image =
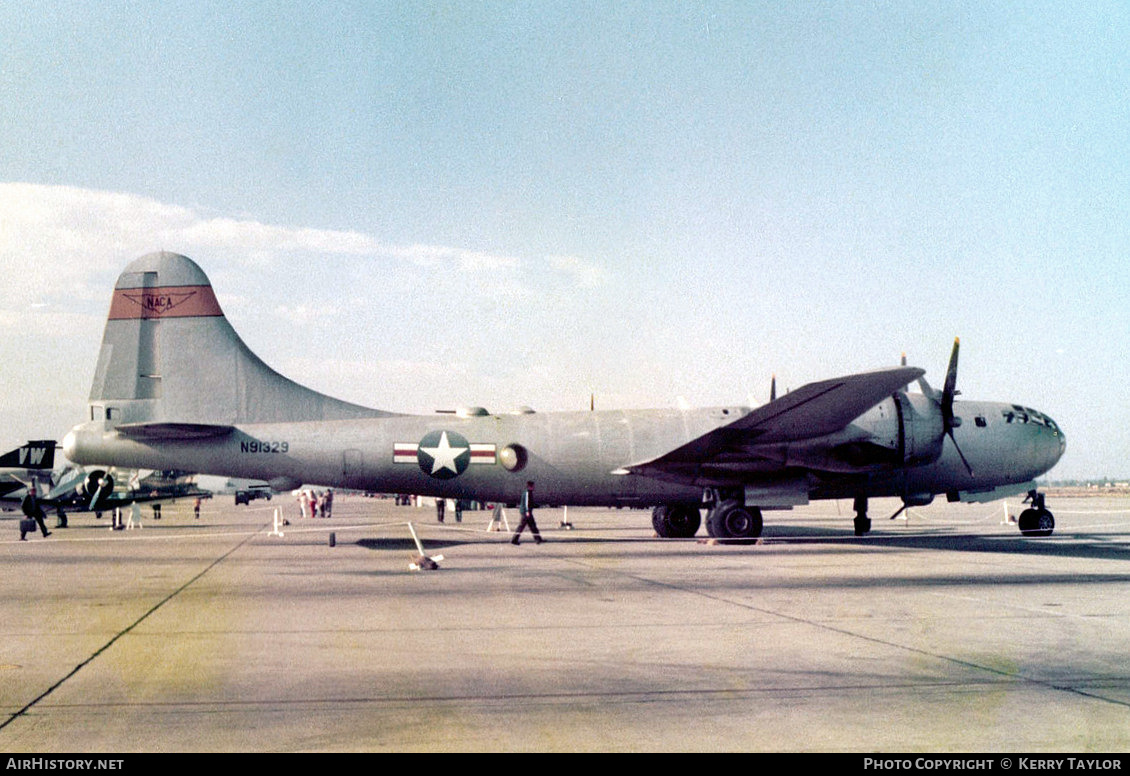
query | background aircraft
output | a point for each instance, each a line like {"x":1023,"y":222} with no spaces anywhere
{"x":96,"y":490}
{"x":29,"y":463}
{"x":67,"y":487}
{"x":175,"y":387}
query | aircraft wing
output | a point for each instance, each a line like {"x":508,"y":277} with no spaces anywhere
{"x":811,"y":411}
{"x":9,"y":486}
{"x":145,"y":497}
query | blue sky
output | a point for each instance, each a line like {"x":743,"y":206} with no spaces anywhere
{"x":420,"y":205}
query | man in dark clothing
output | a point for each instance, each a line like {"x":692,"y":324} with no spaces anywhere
{"x":526,"y":507}
{"x":30,"y":507}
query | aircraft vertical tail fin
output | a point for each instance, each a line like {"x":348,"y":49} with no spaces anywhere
{"x":36,"y":454}
{"x":169,"y":356}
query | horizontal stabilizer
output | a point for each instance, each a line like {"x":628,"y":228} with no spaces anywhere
{"x":172,"y":430}
{"x":811,"y":411}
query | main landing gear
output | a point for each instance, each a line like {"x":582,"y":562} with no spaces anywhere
{"x":733,"y":520}
{"x":675,"y":521}
{"x":1036,"y":520}
{"x":728,"y":518}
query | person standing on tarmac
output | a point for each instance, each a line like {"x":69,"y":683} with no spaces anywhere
{"x":30,"y":507}
{"x":526,"y":507}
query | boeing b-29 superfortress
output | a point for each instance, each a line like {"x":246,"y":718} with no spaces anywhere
{"x":176,"y":388}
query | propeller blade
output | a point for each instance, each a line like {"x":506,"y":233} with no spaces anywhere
{"x":950,"y":389}
{"x":960,"y":454}
{"x":948,"y":393}
{"x":106,"y":481}
{"x":929,"y":390}
{"x":94,"y":498}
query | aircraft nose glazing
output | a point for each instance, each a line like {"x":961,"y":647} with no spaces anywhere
{"x":1053,"y":441}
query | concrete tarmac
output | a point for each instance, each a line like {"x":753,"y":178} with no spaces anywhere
{"x":947,"y":632}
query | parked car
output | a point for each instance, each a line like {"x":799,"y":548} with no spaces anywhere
{"x":249,"y":495}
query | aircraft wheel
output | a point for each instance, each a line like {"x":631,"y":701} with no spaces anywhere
{"x":733,"y":521}
{"x":683,"y":521}
{"x":675,"y":522}
{"x":1036,"y":522}
{"x":686,"y":521}
{"x":862,"y":526}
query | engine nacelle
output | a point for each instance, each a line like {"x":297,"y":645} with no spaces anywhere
{"x":902,"y":430}
{"x":923,"y":430}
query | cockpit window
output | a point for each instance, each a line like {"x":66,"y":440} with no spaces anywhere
{"x":1018,"y":414}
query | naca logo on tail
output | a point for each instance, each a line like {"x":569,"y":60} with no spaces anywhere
{"x":158,"y":304}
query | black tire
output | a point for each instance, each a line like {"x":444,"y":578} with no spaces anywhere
{"x":684,"y":521}
{"x":675,"y":521}
{"x":734,"y":521}
{"x":1036,"y":522}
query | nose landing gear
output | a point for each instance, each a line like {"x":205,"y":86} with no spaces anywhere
{"x":1036,"y":520}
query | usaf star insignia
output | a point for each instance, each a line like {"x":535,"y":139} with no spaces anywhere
{"x":443,"y":454}
{"x":440,"y":458}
